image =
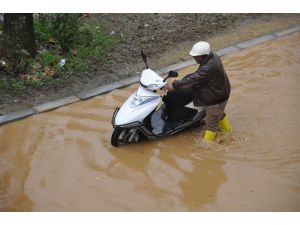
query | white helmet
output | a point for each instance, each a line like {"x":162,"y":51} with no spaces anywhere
{"x":200,"y":48}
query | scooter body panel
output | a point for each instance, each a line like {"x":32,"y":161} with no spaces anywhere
{"x":131,"y":112}
{"x":151,"y":80}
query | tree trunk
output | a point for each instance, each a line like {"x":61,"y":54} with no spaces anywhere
{"x":18,"y":34}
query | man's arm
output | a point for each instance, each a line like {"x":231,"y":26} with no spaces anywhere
{"x":197,"y":78}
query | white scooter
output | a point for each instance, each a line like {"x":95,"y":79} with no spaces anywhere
{"x":141,"y":117}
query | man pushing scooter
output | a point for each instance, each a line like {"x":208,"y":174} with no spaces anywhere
{"x":210,"y":88}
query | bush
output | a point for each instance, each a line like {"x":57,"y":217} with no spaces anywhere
{"x":65,"y":29}
{"x":43,"y":28}
{"x":78,"y":42}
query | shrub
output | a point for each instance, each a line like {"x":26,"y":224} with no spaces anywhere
{"x":65,"y":29}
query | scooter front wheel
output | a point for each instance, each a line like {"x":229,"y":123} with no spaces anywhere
{"x":116,"y":139}
{"x":124,"y":136}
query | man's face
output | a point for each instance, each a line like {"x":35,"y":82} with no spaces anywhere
{"x":199,"y":58}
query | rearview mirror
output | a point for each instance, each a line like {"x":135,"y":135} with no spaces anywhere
{"x":172,"y":73}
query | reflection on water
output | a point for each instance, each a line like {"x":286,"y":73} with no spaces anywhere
{"x":63,"y":161}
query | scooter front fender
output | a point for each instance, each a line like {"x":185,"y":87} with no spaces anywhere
{"x":128,"y":114}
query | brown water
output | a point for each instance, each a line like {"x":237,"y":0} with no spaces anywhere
{"x":63,"y":161}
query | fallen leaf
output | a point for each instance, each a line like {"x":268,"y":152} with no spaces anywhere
{"x":52,"y":41}
{"x":24,"y":76}
{"x":74,"y":51}
{"x":86,"y":14}
{"x":49,"y":71}
{"x":34,"y":78}
{"x":24,"y":52}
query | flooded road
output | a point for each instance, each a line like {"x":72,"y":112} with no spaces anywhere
{"x":63,"y":161}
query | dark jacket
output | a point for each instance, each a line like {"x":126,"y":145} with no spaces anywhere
{"x":210,"y":83}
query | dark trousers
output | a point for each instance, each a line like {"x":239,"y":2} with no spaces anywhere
{"x":174,"y":104}
{"x":179,"y":98}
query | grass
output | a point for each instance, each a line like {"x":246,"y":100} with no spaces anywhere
{"x":85,"y":45}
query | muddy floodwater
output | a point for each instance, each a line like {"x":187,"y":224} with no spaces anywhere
{"x":63,"y":161}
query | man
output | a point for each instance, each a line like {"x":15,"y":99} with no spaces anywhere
{"x":210,"y":88}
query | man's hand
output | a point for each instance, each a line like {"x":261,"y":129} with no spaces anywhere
{"x":170,"y":86}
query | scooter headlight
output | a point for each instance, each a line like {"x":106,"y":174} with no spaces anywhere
{"x":153,"y":86}
{"x":136,"y":101}
{"x":139,"y":100}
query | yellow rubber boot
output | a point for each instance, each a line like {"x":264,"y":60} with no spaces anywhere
{"x":209,"y":135}
{"x":224,"y":124}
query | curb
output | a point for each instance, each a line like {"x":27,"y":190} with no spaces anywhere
{"x":255,"y":41}
{"x":87,"y":94}
{"x":16,"y":115}
{"x":55,"y":104}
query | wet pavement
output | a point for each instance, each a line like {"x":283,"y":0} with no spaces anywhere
{"x":63,"y":161}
